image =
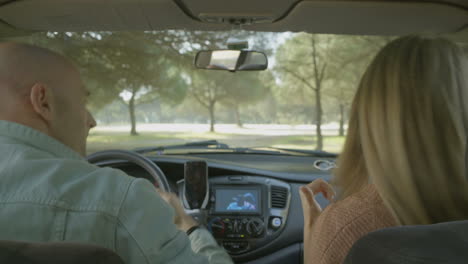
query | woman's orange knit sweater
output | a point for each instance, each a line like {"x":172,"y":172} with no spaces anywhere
{"x":342,"y":223}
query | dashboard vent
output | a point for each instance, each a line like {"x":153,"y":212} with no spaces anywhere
{"x":279,"y":196}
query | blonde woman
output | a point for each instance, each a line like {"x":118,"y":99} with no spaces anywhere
{"x":407,"y":136}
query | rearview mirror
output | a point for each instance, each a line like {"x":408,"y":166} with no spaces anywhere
{"x":231,"y":60}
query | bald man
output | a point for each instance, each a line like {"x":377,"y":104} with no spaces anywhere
{"x":49,"y":192}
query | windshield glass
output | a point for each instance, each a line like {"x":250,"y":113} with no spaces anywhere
{"x":146,"y":92}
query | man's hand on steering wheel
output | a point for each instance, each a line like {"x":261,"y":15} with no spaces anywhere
{"x":182,"y":220}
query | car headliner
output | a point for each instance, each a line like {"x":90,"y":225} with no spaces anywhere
{"x":365,"y":17}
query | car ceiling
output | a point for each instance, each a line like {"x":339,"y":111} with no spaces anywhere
{"x":367,"y":17}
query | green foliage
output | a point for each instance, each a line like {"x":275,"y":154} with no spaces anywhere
{"x":245,"y":88}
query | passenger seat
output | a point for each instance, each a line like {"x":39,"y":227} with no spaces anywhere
{"x":438,"y":243}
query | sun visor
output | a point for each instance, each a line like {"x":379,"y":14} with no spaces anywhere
{"x":332,"y":17}
{"x":87,"y":15}
{"x":370,"y":18}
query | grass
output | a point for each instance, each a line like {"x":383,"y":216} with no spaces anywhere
{"x":330,"y":143}
{"x":102,"y":140}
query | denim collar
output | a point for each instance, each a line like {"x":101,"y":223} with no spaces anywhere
{"x":11,"y":132}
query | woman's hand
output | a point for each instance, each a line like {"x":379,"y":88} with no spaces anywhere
{"x":312,"y":211}
{"x":310,"y":207}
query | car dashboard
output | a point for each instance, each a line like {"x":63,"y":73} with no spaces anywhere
{"x":268,"y":232}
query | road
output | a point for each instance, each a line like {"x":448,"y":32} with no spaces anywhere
{"x":287,"y":136}
{"x":247,"y":129}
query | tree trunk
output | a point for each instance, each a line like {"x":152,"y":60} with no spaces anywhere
{"x":238,"y":118}
{"x":318,"y":119}
{"x":131,"y":109}
{"x":211,"y":108}
{"x":318,"y":74}
{"x":341,"y":132}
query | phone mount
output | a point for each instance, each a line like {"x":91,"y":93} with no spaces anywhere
{"x":195,"y":186}
{"x":200,"y":215}
{"x":190,"y":205}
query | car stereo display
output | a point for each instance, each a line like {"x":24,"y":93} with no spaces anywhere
{"x":235,"y":200}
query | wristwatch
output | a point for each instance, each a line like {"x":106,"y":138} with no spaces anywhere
{"x":193,"y":228}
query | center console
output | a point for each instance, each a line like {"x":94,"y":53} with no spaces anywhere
{"x":246,"y":212}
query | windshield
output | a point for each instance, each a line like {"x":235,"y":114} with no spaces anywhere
{"x":146,"y":92}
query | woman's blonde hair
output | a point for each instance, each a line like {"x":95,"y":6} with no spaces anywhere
{"x":408,"y":129}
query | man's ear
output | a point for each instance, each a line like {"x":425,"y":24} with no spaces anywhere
{"x":41,"y":100}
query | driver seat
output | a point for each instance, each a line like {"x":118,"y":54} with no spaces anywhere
{"x":18,"y":252}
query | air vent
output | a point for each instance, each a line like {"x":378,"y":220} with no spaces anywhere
{"x":279,"y":196}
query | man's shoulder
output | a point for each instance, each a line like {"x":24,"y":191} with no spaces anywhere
{"x":96,"y":188}
{"x":72,"y":183}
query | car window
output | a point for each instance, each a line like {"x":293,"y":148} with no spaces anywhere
{"x":145,"y":90}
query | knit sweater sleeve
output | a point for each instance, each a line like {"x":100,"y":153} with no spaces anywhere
{"x":343,"y":223}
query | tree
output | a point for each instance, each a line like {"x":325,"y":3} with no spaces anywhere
{"x":245,"y":88}
{"x":212,"y":87}
{"x":208,"y":88}
{"x":347,"y":63}
{"x":302,"y":61}
{"x":335,"y":65}
{"x":144,"y":71}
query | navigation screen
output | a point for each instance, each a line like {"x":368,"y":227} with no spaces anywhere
{"x":237,"y":200}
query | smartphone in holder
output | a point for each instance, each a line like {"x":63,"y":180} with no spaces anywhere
{"x":196,"y":186}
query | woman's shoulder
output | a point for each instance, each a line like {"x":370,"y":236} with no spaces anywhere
{"x":343,"y":222}
{"x":367,"y":194}
{"x":364,"y":206}
{"x":367,"y":197}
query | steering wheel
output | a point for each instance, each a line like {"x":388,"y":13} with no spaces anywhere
{"x":160,"y":180}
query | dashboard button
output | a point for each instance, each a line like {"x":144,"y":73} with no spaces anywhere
{"x":235,"y":247}
{"x":217,"y":227}
{"x":276,"y":222}
{"x":255,"y":227}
